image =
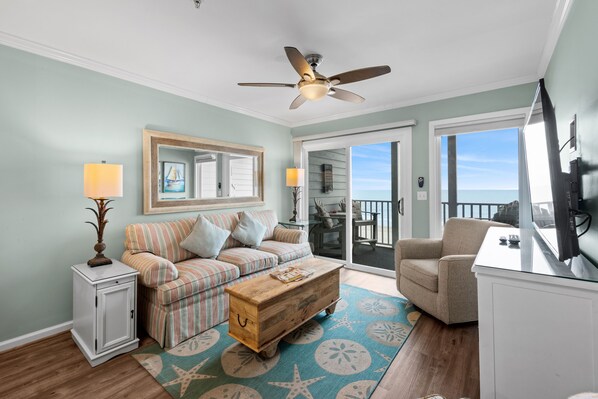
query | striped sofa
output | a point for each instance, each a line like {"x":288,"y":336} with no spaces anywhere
{"x":181,"y":295}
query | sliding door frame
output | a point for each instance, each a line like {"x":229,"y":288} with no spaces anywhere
{"x":346,"y":141}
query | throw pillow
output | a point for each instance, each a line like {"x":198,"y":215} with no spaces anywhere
{"x":324,"y":215}
{"x":206,"y":239}
{"x":249,"y":231}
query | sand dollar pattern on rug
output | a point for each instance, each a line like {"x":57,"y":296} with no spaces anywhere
{"x":357,"y":390}
{"x":388,"y":332}
{"x":241,"y":362}
{"x":343,"y":362}
{"x":198,"y":344}
{"x":378,"y":306}
{"x":231,"y":391}
{"x":152,"y":363}
{"x":342,"y":356}
{"x":310,"y":332}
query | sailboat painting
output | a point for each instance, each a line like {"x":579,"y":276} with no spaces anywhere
{"x":174,"y":177}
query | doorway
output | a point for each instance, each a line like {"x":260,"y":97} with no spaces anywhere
{"x":358,"y":193}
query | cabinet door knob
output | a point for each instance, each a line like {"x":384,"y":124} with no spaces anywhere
{"x":132,"y":313}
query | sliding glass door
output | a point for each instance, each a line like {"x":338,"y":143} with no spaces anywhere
{"x":354,"y":198}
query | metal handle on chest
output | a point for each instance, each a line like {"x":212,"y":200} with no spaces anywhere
{"x":239,"y":321}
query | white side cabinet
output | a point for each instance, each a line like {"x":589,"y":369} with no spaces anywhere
{"x":104,"y":311}
{"x":538,"y":320}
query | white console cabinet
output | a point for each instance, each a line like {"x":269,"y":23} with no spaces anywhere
{"x":538,"y":320}
{"x":104,"y":314}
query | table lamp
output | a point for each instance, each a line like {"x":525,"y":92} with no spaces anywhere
{"x":100,"y":181}
{"x":296,"y":180}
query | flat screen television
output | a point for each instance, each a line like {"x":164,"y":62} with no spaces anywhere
{"x":553,"y":211}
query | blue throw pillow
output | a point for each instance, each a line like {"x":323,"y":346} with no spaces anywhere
{"x":206,"y":239}
{"x":249,"y":231}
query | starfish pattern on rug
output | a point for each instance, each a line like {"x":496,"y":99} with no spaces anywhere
{"x":387,"y":358}
{"x":297,"y":386}
{"x":344,"y":322}
{"x":186,"y":377}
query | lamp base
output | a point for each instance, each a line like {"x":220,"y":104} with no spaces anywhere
{"x":99,"y":260}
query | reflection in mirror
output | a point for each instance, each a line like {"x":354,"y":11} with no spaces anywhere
{"x":191,"y":173}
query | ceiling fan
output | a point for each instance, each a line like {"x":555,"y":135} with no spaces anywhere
{"x":314,"y":86}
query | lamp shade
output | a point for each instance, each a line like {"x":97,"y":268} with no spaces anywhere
{"x":295,"y":177}
{"x":102,"y":180}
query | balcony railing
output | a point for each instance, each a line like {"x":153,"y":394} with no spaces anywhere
{"x":476,"y":210}
{"x":384,"y":211}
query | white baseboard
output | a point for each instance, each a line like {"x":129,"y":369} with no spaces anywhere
{"x":34,"y":336}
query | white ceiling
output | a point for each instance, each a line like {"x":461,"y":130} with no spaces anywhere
{"x":436,"y":48}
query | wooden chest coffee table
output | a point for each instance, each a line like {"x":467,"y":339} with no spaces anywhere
{"x":264,"y":309}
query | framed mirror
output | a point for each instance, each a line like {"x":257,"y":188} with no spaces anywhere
{"x":185,"y":173}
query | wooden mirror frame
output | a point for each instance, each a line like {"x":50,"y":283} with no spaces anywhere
{"x":151,"y":205}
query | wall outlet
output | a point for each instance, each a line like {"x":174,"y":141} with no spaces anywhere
{"x":422,"y":195}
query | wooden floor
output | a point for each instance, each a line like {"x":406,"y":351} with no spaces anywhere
{"x":435,"y":359}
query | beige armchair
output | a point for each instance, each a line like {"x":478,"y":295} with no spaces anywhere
{"x":436,"y":275}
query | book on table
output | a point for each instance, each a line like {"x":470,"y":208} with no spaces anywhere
{"x":291,"y":274}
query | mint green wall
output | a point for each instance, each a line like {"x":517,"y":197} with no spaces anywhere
{"x":55,"y":117}
{"x":572,"y":82}
{"x":490,"y":101}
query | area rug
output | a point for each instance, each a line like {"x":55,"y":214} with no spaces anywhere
{"x":342,"y":356}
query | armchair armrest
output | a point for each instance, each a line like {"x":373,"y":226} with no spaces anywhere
{"x":153,"y":270}
{"x":417,"y":248}
{"x":457,"y":288}
{"x":291,"y":236}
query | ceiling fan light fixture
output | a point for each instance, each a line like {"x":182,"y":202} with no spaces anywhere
{"x":314,"y":90}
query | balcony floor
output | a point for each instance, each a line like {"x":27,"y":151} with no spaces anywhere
{"x":382,"y":257}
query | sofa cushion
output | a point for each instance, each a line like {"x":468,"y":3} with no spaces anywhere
{"x":206,"y":239}
{"x":269,"y":219}
{"x":226,"y":221}
{"x":249,"y":230}
{"x":248,"y":260}
{"x":423,"y":272}
{"x":196,"y":275}
{"x":161,"y":239}
{"x":286,"y":252}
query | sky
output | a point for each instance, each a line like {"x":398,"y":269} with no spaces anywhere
{"x":485,"y":161}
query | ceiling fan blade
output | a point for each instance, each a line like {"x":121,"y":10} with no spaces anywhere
{"x":359,"y":74}
{"x":297,"y":102}
{"x":268,"y":85}
{"x":345,"y":95}
{"x":298,"y":62}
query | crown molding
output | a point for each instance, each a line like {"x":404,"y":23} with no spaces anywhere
{"x":63,"y":56}
{"x":561,"y":12}
{"x":425,"y":99}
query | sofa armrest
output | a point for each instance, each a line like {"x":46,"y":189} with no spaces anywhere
{"x":153,"y":270}
{"x":291,"y":236}
{"x":457,"y":288}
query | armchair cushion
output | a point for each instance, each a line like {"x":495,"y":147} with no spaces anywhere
{"x":421,"y":271}
{"x":324,"y":215}
{"x":153,"y":270}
